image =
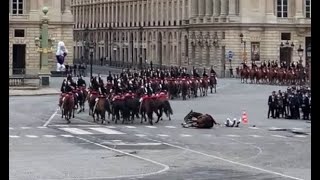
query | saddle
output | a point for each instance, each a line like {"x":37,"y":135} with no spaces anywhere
{"x":117,"y":97}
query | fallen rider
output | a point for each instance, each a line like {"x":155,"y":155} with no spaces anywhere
{"x":233,"y":123}
{"x":198,"y":120}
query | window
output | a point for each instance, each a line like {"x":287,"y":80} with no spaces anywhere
{"x":16,"y":7}
{"x":308,"y":8}
{"x":282,"y":8}
{"x":18,"y":33}
{"x":286,"y":36}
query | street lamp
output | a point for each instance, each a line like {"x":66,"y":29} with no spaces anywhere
{"x":45,"y":46}
{"x":300,"y":53}
{"x":244,"y":48}
{"x":91,"y":47}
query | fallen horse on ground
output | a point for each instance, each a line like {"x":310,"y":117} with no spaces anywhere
{"x":198,"y":120}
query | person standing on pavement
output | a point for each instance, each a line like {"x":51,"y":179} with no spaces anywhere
{"x":272,"y":102}
{"x":305,"y":107}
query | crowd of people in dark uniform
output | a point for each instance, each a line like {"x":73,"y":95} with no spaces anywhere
{"x":288,"y":104}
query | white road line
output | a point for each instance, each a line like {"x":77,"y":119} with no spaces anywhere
{"x":172,"y":127}
{"x":51,"y":117}
{"x":138,"y":144}
{"x":254,"y":128}
{"x":163,"y":135}
{"x":66,"y":135}
{"x":25,"y":127}
{"x":107,"y":131}
{"x":279,"y":136}
{"x":75,"y":131}
{"x":12,"y":136}
{"x":207,"y":135}
{"x":300,"y":136}
{"x":185,"y":135}
{"x":165,"y":167}
{"x":232,"y":135}
{"x":116,"y":140}
{"x":76,"y":125}
{"x":255,"y":136}
{"x":130,"y":127}
{"x":41,"y":127}
{"x":151,"y":127}
{"x":140,"y":135}
{"x":226,"y":160}
{"x":31,"y":136}
{"x":50,"y":136}
{"x":111,"y":127}
{"x":10,"y":128}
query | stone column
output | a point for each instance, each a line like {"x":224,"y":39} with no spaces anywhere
{"x":224,"y":7}
{"x":90,"y":14}
{"x":216,"y":7}
{"x":201,"y":7}
{"x":270,"y":15}
{"x":299,"y":9}
{"x":67,"y":6}
{"x":209,"y":7}
{"x":232,"y":7}
{"x":104,"y":14}
{"x":194,"y":8}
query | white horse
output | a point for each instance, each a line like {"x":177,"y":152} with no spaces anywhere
{"x":60,"y":55}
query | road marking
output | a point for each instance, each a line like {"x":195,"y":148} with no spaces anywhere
{"x":75,"y":131}
{"x":151,"y":127}
{"x":31,"y":136}
{"x":165,"y":167}
{"x":49,"y":136}
{"x":163,"y":135}
{"x":208,"y":135}
{"x":172,"y":127}
{"x":185,"y":135}
{"x":130,"y":127}
{"x":279,"y":136}
{"x":225,"y":160}
{"x":76,"y":125}
{"x":116,"y":140}
{"x":300,"y":136}
{"x":66,"y":135}
{"x":51,"y":117}
{"x":14,"y":136}
{"x":254,"y":128}
{"x":41,"y":127}
{"x":138,"y":144}
{"x":25,"y":127}
{"x":112,"y":127}
{"x":140,"y":135}
{"x":10,"y":128}
{"x":107,"y":131}
{"x":255,"y":136}
{"x":232,"y":135}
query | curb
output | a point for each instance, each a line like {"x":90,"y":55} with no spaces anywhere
{"x":40,"y":94}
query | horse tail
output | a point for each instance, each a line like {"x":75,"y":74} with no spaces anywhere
{"x":168,"y":107}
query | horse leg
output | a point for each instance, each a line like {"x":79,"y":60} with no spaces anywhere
{"x":159,"y":115}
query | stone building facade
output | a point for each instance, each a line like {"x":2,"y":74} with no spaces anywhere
{"x":24,"y":26}
{"x":200,"y":33}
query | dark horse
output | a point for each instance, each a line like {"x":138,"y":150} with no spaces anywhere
{"x":67,"y":106}
{"x":213,"y":83}
{"x":203,"y":121}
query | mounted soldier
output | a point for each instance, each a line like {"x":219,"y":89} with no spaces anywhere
{"x":204,"y":74}
{"x":81,"y":82}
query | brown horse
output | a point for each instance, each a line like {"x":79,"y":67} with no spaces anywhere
{"x":147,"y":107}
{"x":198,"y":120}
{"x":204,"y":86}
{"x":184,"y":89}
{"x":194,"y":87}
{"x":162,"y":104}
{"x":244,"y":75}
{"x":92,"y":100}
{"x":99,"y":109}
{"x":67,"y":106}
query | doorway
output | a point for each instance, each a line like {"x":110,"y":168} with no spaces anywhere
{"x":18,"y":59}
{"x":285,"y":55}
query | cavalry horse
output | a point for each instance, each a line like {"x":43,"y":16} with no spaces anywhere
{"x":204,"y":86}
{"x":67,"y":104}
{"x":198,"y":120}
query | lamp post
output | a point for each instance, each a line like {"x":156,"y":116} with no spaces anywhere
{"x":91,"y":47}
{"x":309,"y":63}
{"x":44,"y":44}
{"x":244,"y":48}
{"x":300,"y":53}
